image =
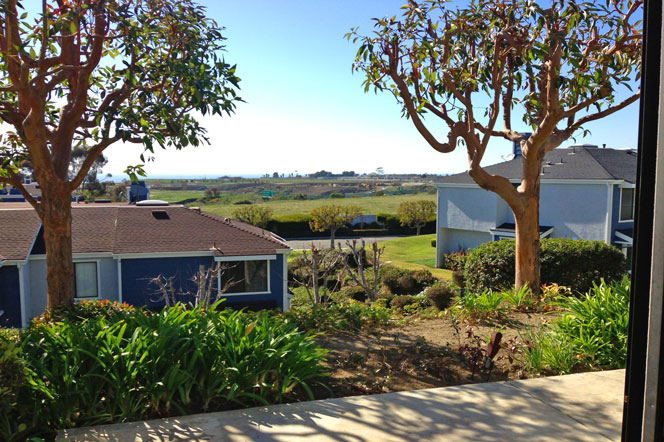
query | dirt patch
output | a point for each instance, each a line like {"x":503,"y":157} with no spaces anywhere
{"x":421,"y":354}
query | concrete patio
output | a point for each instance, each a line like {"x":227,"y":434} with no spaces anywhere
{"x":580,"y":407}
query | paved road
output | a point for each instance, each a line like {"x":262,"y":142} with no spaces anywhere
{"x":299,"y":244}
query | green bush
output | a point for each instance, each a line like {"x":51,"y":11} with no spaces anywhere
{"x":479,"y":306}
{"x":406,"y":285}
{"x":423,"y":278}
{"x":458,"y":278}
{"x":596,"y":324}
{"x":573,"y":263}
{"x":390,"y":277}
{"x":440,"y":295}
{"x":433,"y":243}
{"x":337,"y":195}
{"x":455,"y":260}
{"x":76,"y":313}
{"x":143,"y":366}
{"x":401,"y":301}
{"x":355,"y":292}
{"x":348,"y":316}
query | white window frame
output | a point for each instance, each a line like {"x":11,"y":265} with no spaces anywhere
{"x":225,"y":294}
{"x":88,"y":261}
{"x":620,"y":207}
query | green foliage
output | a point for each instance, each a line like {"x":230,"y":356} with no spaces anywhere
{"x":596,"y":324}
{"x":573,"y":263}
{"x":255,"y":214}
{"x":337,"y":195}
{"x":355,"y":293}
{"x":520,"y":300}
{"x":347,"y":316}
{"x":401,"y":301}
{"x":129,"y":48}
{"x":332,"y":217}
{"x":458,"y":278}
{"x":440,"y":295}
{"x":479,"y":306}
{"x":433,"y":243}
{"x":415,"y":214}
{"x":455,"y":260}
{"x":143,"y":366}
{"x":80,"y":311}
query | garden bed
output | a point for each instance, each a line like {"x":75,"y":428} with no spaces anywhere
{"x":420,"y":354}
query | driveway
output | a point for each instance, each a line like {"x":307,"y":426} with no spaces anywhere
{"x":305,"y":243}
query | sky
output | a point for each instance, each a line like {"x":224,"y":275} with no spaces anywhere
{"x":306,"y":111}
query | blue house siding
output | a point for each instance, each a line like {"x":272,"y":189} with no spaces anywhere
{"x":615,"y":216}
{"x":137,"y":290}
{"x":10,"y":296}
{"x":137,"y":273}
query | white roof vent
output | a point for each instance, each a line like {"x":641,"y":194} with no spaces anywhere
{"x":151,"y":203}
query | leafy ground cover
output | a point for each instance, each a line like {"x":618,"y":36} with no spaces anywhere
{"x":105,"y":363}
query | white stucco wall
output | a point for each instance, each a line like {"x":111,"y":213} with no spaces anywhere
{"x":575,"y":210}
{"x":467,"y":208}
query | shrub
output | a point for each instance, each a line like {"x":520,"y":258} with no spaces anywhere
{"x":177,"y":361}
{"x":573,"y":263}
{"x":440,"y":295}
{"x":337,"y":195}
{"x":347,"y":316}
{"x":355,"y":292}
{"x":458,"y":278}
{"x":596,"y":324}
{"x":406,"y":285}
{"x":433,"y":243}
{"x":76,"y":313}
{"x":401,"y":301}
{"x":390,"y":276}
{"x":423,"y":278}
{"x":455,"y":260}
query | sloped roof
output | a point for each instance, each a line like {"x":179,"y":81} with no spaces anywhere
{"x":579,"y":162}
{"x":17,"y":233}
{"x":132,"y":229}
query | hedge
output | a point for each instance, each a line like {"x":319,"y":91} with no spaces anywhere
{"x":574,"y":263}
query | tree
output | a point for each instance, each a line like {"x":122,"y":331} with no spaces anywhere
{"x":256,"y":215}
{"x":332,"y":218}
{"x":119,"y":192}
{"x":358,"y":254}
{"x":92,"y":73}
{"x":313,"y":268}
{"x":415,"y":214}
{"x":559,"y":67}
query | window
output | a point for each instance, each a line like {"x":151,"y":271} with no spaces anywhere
{"x":85,"y":280}
{"x":626,"y":204}
{"x":244,"y":277}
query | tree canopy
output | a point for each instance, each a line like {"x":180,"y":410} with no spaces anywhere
{"x":557,"y":66}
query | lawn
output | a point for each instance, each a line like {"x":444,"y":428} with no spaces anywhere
{"x":369,"y":205}
{"x":173,"y":196}
{"x":414,"y":252}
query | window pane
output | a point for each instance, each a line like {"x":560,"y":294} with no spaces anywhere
{"x":627,"y":205}
{"x":256,"y":276}
{"x":86,"y":279}
{"x":244,"y":277}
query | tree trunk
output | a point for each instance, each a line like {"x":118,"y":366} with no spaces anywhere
{"x":56,"y":222}
{"x":418,"y":227}
{"x":527,"y":260}
{"x":332,"y":232}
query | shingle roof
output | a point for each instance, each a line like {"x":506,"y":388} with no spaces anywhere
{"x":131,"y":229}
{"x":587,"y":163}
{"x":17,"y":232}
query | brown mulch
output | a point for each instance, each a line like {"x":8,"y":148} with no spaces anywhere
{"x":420,"y":354}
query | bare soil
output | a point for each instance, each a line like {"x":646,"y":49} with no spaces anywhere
{"x":422,"y":354}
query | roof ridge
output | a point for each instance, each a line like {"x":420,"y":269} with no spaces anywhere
{"x":228,"y":223}
{"x":585,"y":149}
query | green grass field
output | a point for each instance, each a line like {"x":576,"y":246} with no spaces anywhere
{"x":369,"y":205}
{"x":413,"y":253}
{"x":173,"y":196}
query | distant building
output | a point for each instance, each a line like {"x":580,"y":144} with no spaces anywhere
{"x":13,"y":195}
{"x":586,"y":192}
{"x":117,"y":250}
